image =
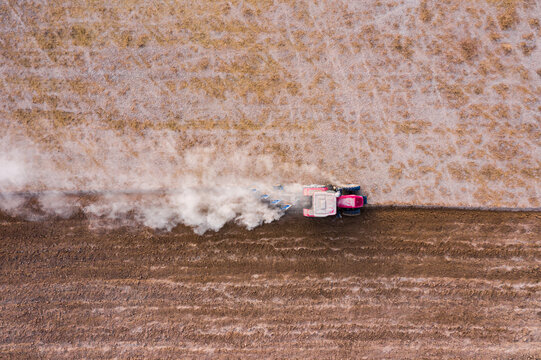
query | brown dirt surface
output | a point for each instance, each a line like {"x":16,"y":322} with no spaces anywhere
{"x":393,"y":283}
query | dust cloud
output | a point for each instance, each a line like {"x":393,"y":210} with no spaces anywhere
{"x":203,"y":187}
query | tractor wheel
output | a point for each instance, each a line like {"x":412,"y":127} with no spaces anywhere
{"x":351,"y":190}
{"x":351,"y":212}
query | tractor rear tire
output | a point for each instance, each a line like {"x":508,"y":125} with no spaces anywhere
{"x":351,"y":212}
{"x":351,"y":190}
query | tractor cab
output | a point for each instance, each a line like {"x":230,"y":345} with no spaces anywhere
{"x":323,"y":202}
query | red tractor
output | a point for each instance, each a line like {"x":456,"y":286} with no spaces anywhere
{"x":327,"y":200}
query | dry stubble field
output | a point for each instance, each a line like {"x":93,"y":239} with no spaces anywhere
{"x":421,"y":102}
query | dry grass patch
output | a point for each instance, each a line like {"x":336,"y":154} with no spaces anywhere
{"x":502,"y":89}
{"x":403,"y":45}
{"x":491,"y":65}
{"x":424,"y":13}
{"x":507,"y":48}
{"x":500,"y":111}
{"x":495,"y":36}
{"x":531,"y":172}
{"x":507,"y":19}
{"x":125,"y":39}
{"x":504,"y":150}
{"x":492,"y":173}
{"x":81,"y":36}
{"x":485,"y":195}
{"x":460,"y":172}
{"x":411,"y":126}
{"x":507,"y":12}
{"x":142,"y":40}
{"x":526,"y":48}
{"x":523,"y":72}
{"x":469,"y":49}
{"x":454,"y":94}
{"x":48,"y":39}
{"x":215,"y":87}
{"x":396,"y":172}
{"x":39,"y":122}
{"x":50,"y":100}
{"x":281,"y":151}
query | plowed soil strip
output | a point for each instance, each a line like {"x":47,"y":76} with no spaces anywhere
{"x":404,"y":283}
